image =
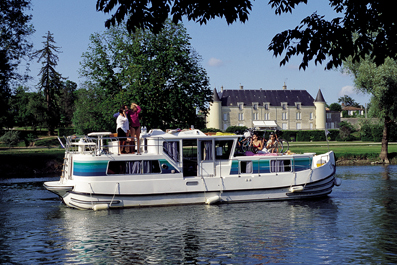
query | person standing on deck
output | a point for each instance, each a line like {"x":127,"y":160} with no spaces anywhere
{"x":135,"y":125}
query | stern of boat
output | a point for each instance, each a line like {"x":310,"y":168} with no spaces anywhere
{"x":58,"y":187}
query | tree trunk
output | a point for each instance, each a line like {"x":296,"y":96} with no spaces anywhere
{"x":385,"y":140}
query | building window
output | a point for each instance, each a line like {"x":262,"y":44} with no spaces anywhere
{"x":255,"y":106}
{"x":284,"y":126}
{"x":328,"y":116}
{"x":284,"y":116}
{"x":298,"y":116}
{"x":225,"y":126}
{"x":266,"y":116}
{"x":256,"y":116}
{"x":298,"y":106}
{"x":240,"y":106}
{"x":311,"y":116}
{"x":225,"y":116}
{"x":298,"y":126}
{"x":284,"y":106}
{"x":266,"y":105}
{"x":241,"y":116}
{"x":311,"y":126}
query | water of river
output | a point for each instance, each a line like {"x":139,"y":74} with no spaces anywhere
{"x":355,"y":224}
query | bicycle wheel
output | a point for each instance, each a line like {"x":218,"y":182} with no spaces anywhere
{"x":246,"y":145}
{"x":284,"y":145}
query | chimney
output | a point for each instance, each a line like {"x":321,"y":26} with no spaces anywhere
{"x":284,"y":86}
{"x":222,"y":89}
{"x":241,"y":87}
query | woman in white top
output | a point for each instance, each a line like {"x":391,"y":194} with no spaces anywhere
{"x":122,"y":129}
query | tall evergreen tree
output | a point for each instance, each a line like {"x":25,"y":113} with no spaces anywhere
{"x":50,"y":81}
{"x":14,"y":46}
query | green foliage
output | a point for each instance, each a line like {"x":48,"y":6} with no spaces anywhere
{"x":345,"y":131}
{"x":335,"y":107}
{"x":29,"y":139}
{"x":233,"y":129}
{"x":348,"y":101}
{"x":161,"y":73}
{"x":15,"y":45}
{"x":206,"y":130}
{"x":10,"y":138}
{"x":66,"y":131}
{"x":47,"y":142}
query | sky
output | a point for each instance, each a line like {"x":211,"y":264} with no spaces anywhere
{"x":233,"y":55}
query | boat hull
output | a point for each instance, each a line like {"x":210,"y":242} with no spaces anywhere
{"x":81,"y":200}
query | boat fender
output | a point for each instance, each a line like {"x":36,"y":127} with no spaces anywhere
{"x":337,"y":181}
{"x":296,"y":189}
{"x":213,"y":199}
{"x":99,"y":207}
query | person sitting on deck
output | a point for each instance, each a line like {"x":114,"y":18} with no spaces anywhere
{"x":258,"y":145}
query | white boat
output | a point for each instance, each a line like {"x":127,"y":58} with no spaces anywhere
{"x":184,"y":167}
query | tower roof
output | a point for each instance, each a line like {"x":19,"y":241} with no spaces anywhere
{"x":319,"y":97}
{"x":215,"y":96}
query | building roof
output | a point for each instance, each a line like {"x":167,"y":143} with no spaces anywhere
{"x":230,"y":97}
{"x":320,"y":97}
{"x":351,"y":108}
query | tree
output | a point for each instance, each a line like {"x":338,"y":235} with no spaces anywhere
{"x":51,"y":81}
{"x":380,"y":81}
{"x":315,"y":38}
{"x":14,"y":47}
{"x":66,"y":102}
{"x":27,"y":108}
{"x":335,"y":107}
{"x":348,"y":101}
{"x":161,"y":73}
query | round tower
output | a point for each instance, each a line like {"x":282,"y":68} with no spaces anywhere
{"x":319,"y":103}
{"x":214,"y":115}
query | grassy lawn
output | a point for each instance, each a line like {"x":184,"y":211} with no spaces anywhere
{"x":344,"y":149}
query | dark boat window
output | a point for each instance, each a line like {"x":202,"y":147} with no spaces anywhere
{"x":280,"y":165}
{"x":134,"y":167}
{"x":171,"y":148}
{"x":223,"y":149}
{"x":246,"y":167}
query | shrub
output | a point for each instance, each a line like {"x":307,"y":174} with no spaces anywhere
{"x":10,"y":138}
{"x":233,"y":129}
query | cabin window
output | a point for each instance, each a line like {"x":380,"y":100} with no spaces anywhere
{"x":246,"y":167}
{"x":207,"y":151}
{"x":171,"y":148}
{"x":134,"y":167}
{"x":223,"y":149}
{"x":280,"y":165}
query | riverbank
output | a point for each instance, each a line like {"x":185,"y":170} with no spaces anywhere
{"x":28,"y":162}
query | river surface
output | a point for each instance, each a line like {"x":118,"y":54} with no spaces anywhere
{"x":356,"y":224}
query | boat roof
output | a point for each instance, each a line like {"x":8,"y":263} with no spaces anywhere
{"x":185,"y":134}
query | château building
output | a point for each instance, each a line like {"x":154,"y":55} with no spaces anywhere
{"x":264,"y":109}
